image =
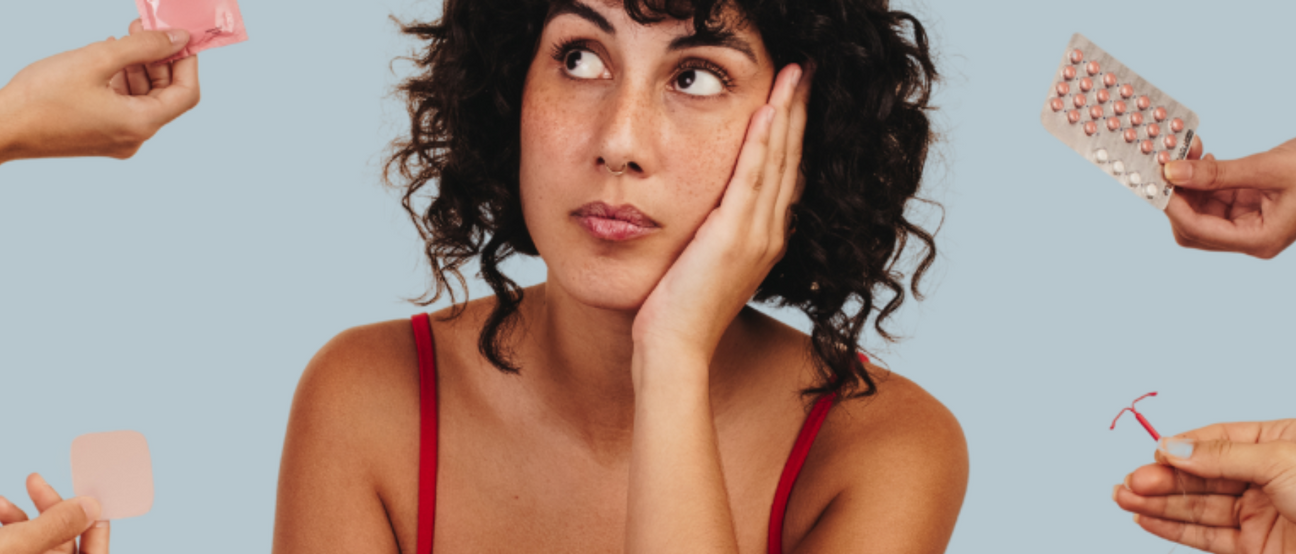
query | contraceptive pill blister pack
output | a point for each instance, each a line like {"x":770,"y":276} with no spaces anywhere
{"x":1117,"y":120}
{"x":211,"y":23}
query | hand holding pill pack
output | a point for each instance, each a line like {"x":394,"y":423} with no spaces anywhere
{"x":211,"y":23}
{"x":1117,"y":120}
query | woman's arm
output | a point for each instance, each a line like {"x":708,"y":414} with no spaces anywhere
{"x":348,"y":412}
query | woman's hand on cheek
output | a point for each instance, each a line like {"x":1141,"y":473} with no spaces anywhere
{"x":741,"y":240}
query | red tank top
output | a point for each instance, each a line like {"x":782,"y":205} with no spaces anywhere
{"x":428,"y":446}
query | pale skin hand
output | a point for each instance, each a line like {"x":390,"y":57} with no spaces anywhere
{"x":55,"y":531}
{"x":105,"y":99}
{"x":1246,"y":205}
{"x":1235,"y":493}
{"x":677,"y":500}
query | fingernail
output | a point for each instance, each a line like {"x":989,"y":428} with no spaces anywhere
{"x":1136,"y":518}
{"x":1177,"y":447}
{"x":796,"y":76}
{"x":178,"y":36}
{"x":1178,"y":172}
{"x":1126,"y":482}
{"x":101,"y":524}
{"x":1115,"y":490}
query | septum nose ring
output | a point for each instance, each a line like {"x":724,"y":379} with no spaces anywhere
{"x":617,"y":172}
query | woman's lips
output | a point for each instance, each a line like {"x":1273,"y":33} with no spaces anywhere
{"x":614,"y":222}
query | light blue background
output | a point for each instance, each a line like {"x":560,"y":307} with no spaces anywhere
{"x":181,"y":293}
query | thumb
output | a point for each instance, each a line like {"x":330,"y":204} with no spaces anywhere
{"x":1212,"y":174}
{"x":143,"y":47}
{"x":57,"y":525}
{"x":1259,"y":463}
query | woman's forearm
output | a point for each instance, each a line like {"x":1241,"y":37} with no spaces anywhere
{"x":677,"y":500}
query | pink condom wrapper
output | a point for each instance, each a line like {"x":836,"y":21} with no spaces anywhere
{"x":211,"y":23}
{"x":116,"y":470}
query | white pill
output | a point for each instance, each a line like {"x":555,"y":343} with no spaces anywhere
{"x":1150,"y":190}
{"x":1118,"y":167}
{"x":1136,"y":179}
{"x":1101,"y":155}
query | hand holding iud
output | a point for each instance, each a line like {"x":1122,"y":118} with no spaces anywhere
{"x":211,"y":23}
{"x":1155,"y":436}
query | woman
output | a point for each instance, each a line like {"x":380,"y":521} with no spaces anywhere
{"x":651,"y":154}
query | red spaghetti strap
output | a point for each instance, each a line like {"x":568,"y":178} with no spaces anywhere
{"x":792,"y":469}
{"x":427,"y":432}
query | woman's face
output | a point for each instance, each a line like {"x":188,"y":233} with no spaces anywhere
{"x":604,"y":95}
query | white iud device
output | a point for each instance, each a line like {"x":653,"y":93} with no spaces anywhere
{"x":1117,"y":120}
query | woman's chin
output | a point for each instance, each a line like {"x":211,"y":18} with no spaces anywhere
{"x":624,"y":291}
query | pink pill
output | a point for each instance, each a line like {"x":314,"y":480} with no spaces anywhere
{"x":1077,"y":56}
{"x":1079,"y":101}
{"x":1146,"y":147}
{"x":1093,"y":68}
{"x":1163,"y":157}
{"x":1103,"y":96}
{"x":1090,"y":128}
{"x":1096,"y":112}
{"x":1126,"y":91}
{"x":1073,"y":116}
{"x":1113,"y":124}
{"x":1063,"y":89}
{"x":1144,"y":102}
{"x":1119,"y":107}
{"x":1109,"y":80}
{"x":1136,"y":119}
{"x":1176,"y":125}
{"x":1159,"y":114}
{"x":1153,"y":129}
{"x":1170,"y":142}
{"x":1131,"y":135}
{"x":1068,"y":73}
{"x":1057,"y":104}
{"x":1086,"y":84}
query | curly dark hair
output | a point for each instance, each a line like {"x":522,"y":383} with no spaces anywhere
{"x":866,"y":142}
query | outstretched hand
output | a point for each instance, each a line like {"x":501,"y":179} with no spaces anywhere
{"x":58,"y":526}
{"x":742,"y":239}
{"x":1227,"y":488}
{"x":1246,"y":205}
{"x":104,"y":99}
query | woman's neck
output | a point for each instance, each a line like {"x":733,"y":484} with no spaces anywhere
{"x":579,"y":358}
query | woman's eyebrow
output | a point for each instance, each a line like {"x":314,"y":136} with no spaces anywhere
{"x":724,"y":39}
{"x":584,"y":12}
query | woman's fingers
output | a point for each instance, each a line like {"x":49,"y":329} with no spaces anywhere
{"x":9,"y":513}
{"x":42,"y":494}
{"x":1160,"y":480}
{"x":95,"y":539}
{"x":54,"y":531}
{"x":792,"y":178}
{"x":745,"y":184}
{"x":1214,"y":510}
{"x":159,"y":74}
{"x":182,"y":94}
{"x":781,"y":97}
{"x":1219,"y":540}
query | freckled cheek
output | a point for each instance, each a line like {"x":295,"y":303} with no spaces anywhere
{"x":702,"y":159}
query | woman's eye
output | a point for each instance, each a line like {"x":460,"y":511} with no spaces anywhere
{"x":583,"y":64}
{"x":698,"y":82}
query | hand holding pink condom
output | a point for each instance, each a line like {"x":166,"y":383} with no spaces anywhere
{"x":211,"y":23}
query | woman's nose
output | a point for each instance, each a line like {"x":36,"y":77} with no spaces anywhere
{"x":627,"y":131}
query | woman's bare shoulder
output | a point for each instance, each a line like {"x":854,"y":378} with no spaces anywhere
{"x":890,"y":469}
